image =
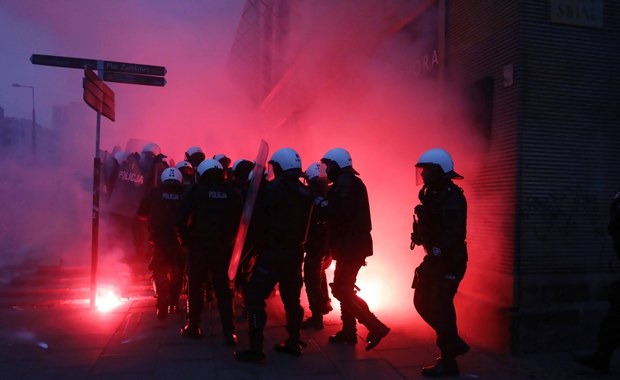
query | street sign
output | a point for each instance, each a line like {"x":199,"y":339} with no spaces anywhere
{"x":134,"y":68}
{"x":148,"y":80}
{"x":98,"y":95}
{"x":74,"y":63}
{"x":81,"y":63}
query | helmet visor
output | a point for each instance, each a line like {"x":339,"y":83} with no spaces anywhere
{"x":418,"y":176}
{"x":187,"y":171}
{"x":426,"y":174}
{"x":323,"y":170}
{"x":270,"y":172}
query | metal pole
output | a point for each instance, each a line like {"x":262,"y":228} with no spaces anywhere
{"x":95,"y":227}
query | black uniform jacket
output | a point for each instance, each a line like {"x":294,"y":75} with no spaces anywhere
{"x":210,"y":213}
{"x":160,"y":206}
{"x":348,"y":218}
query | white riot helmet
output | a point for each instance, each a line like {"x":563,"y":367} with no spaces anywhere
{"x":183,"y":164}
{"x":287,"y":158}
{"x":152,"y":148}
{"x":341,"y":157}
{"x":171,"y":174}
{"x":314,"y":170}
{"x":193,"y":150}
{"x":194,"y":155}
{"x":241,"y":162}
{"x":442,"y":159}
{"x":209,"y":164}
{"x":223,"y":159}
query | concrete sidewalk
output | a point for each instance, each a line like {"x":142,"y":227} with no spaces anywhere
{"x":71,"y":341}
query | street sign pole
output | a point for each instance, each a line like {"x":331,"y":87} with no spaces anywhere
{"x":101,"y":99}
{"x":95,"y":215}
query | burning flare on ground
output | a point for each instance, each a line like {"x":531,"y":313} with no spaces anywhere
{"x":107,"y":299}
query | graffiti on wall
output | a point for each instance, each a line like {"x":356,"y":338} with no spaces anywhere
{"x":569,"y":211}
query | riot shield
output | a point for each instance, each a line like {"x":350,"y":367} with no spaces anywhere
{"x":248,"y":208}
{"x":129,"y":188}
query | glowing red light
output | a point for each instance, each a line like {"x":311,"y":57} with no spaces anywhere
{"x":107,"y":299}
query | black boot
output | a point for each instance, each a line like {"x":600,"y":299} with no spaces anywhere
{"x":455,"y":348}
{"x":173,"y":309}
{"x":443,"y":367}
{"x":173,"y":306}
{"x":162,"y":305}
{"x":290,"y":346}
{"x":191,"y":330}
{"x":162,"y":311}
{"x":375,"y":335}
{"x":344,"y":337}
{"x":255,"y":352}
{"x":313,"y":322}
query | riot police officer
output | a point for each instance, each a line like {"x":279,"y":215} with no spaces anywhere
{"x":225,"y":161}
{"x":207,"y":224}
{"x":195,"y":156}
{"x":188,"y":172}
{"x":160,"y":208}
{"x":241,"y":170}
{"x":440,"y":227}
{"x":317,"y":258}
{"x":278,"y":229}
{"x":349,"y":224}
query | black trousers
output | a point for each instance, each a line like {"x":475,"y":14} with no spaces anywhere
{"x":275,"y":266}
{"x":434,"y":301}
{"x":167,"y":266}
{"x":315,"y":279}
{"x":352,"y":307}
{"x":204,"y":262}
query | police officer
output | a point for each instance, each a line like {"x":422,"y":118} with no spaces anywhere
{"x":278,"y":227}
{"x":609,"y":330}
{"x":225,"y":161}
{"x":440,"y":227}
{"x":240,"y":174}
{"x":348,"y":220}
{"x":194,"y":155}
{"x":188,"y":172}
{"x":160,"y":208}
{"x":111,"y":168}
{"x":151,"y":163}
{"x":317,"y":257}
{"x":207,"y":225}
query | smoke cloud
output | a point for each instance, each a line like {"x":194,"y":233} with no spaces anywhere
{"x":352,"y":84}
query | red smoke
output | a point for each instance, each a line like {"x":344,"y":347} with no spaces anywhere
{"x":346,"y":89}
